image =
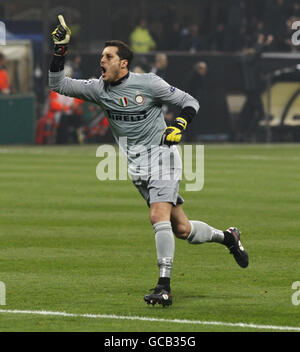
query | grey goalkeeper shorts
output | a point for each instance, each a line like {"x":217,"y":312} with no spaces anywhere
{"x":157,"y":175}
{"x":154,"y":191}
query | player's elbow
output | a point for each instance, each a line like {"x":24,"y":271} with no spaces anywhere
{"x":53,"y":84}
{"x":197,"y":105}
{"x":57,"y":83}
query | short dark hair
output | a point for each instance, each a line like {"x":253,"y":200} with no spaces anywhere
{"x":124,"y":52}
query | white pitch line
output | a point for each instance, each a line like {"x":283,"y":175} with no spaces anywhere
{"x":176,"y":321}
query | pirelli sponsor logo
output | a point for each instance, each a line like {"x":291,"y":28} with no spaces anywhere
{"x":127,"y":116}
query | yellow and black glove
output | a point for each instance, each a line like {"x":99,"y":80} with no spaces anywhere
{"x":61,"y":37}
{"x":173,"y":134}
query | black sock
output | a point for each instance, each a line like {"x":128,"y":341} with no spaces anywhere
{"x":164,"y":281}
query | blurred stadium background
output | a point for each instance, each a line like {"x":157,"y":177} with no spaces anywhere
{"x":235,"y":56}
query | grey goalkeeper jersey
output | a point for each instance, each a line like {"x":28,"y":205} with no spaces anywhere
{"x":133,"y":107}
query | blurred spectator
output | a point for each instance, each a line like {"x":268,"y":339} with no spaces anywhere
{"x":138,"y":69}
{"x":141,"y":40}
{"x":197,"y":80}
{"x":76,"y":67}
{"x":276,"y":13}
{"x":62,"y":120}
{"x":296,"y":9}
{"x":140,"y":64}
{"x":191,"y":39}
{"x":173,"y":36}
{"x":76,"y":122}
{"x":255,"y":29}
{"x":197,"y":86}
{"x":218,"y":38}
{"x":235,"y":26}
{"x":252,"y":110}
{"x":69,"y":121}
{"x":4,"y":79}
{"x":160,"y":65}
{"x":48,"y":123}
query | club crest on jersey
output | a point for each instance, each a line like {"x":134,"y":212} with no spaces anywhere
{"x":123,"y":101}
{"x":139,"y":99}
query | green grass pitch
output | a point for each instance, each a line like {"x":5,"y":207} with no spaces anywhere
{"x":70,"y":243}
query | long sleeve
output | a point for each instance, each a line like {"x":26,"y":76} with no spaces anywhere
{"x":82,"y":89}
{"x":164,"y":93}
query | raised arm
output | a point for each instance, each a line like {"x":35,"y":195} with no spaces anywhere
{"x":58,"y":82}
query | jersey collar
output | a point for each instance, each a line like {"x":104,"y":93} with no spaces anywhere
{"x":119,"y":81}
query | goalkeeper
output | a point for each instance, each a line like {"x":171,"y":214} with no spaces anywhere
{"x":133,"y":104}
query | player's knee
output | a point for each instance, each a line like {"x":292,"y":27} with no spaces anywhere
{"x":160,"y":212}
{"x":155,"y":217}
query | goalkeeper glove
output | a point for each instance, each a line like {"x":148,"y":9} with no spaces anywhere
{"x":173,"y":134}
{"x":61,"y":37}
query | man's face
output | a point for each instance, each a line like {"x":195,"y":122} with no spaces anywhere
{"x":202,"y":69}
{"x":113,"y":68}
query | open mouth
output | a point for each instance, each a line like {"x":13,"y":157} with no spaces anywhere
{"x":103,"y":69}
